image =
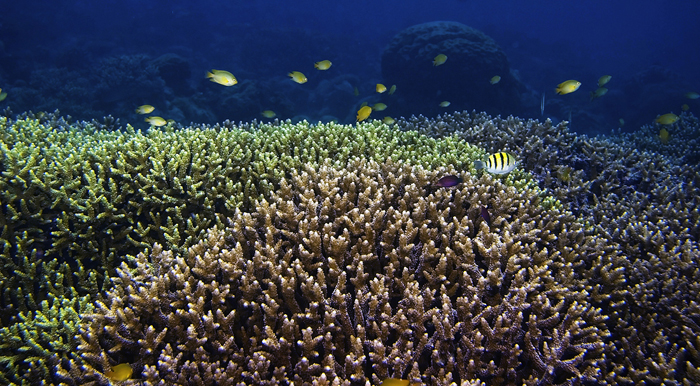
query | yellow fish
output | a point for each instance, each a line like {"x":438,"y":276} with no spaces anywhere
{"x":156,"y":121}
{"x":388,"y":120}
{"x":568,"y":87}
{"x":363,"y":113}
{"x":603,"y":80}
{"x":392,"y":89}
{"x":598,"y":93}
{"x":440,"y":59}
{"x":444,"y":103}
{"x":381,"y":88}
{"x":323,"y":65}
{"x":145,"y":109}
{"x":499,"y":163}
{"x":495,"y":79}
{"x":120,"y":372}
{"x":379,"y":107}
{"x":685,"y":107}
{"x":565,"y":174}
{"x":667,"y":119}
{"x":268,"y":114}
{"x":692,"y":95}
{"x":394,"y":382}
{"x":221,"y":77}
{"x":3,"y":95}
{"x":297,"y":77}
{"x":664,"y":136}
{"x":355,"y":91}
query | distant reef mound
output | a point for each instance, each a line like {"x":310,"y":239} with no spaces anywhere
{"x":464,"y":79}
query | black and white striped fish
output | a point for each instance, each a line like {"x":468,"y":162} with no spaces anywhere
{"x":499,"y":163}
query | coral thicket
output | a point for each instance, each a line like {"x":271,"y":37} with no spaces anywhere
{"x":359,"y":273}
{"x":645,"y":203}
{"x":325,"y":254}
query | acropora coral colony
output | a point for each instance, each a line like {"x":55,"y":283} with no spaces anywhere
{"x":319,"y":254}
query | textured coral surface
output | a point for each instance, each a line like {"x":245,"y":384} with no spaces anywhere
{"x":360,"y":274}
{"x":646,"y":204}
{"x":321,"y":254}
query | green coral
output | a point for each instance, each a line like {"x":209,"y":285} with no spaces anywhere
{"x":41,"y":315}
{"x":99,"y":192}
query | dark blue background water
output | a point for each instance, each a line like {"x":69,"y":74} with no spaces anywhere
{"x":93,"y":58}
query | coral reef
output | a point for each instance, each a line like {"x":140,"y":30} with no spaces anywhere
{"x":167,"y":186}
{"x":322,"y":254}
{"x":647,"y":208}
{"x":357,"y":274}
{"x":682,"y":146}
{"x":79,"y":198}
{"x":473,"y":58}
{"x":38,"y":327}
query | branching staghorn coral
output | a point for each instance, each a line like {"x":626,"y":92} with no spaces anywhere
{"x":41,"y":312}
{"x":357,"y":274}
{"x":682,"y":145}
{"x":77,"y":198}
{"x":166,"y":186}
{"x":645,"y":204}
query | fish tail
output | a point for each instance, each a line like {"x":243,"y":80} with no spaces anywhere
{"x":479,"y":165}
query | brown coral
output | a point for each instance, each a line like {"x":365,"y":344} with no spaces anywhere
{"x":348,"y":275}
{"x":646,"y":205}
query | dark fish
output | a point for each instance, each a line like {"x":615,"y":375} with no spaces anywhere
{"x":485,"y":215}
{"x":448,"y":181}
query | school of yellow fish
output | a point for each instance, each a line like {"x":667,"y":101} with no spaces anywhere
{"x":226,"y":78}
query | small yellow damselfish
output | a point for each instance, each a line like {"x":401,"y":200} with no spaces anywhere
{"x":156,"y":121}
{"x":145,"y":109}
{"x":297,"y":77}
{"x":568,"y":87}
{"x":667,"y":119}
{"x":440,"y":59}
{"x":323,"y":65}
{"x":363,"y":113}
{"x":222,"y":77}
{"x":120,"y":372}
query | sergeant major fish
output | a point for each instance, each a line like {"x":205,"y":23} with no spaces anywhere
{"x":499,"y":163}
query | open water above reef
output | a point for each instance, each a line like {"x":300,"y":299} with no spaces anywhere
{"x":90,"y":59}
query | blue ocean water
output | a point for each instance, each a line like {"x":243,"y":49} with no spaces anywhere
{"x":95,"y":58}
